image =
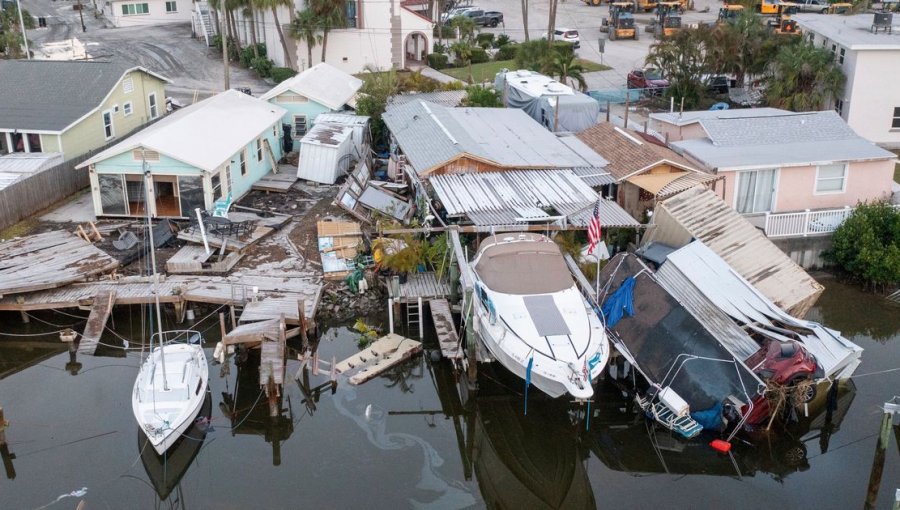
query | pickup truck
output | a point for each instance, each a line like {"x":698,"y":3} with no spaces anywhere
{"x":484,"y":18}
{"x":820,"y":6}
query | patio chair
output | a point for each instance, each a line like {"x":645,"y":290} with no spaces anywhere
{"x":126,"y":241}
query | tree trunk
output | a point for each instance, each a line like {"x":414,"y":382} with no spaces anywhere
{"x":309,"y":47}
{"x":551,"y":25}
{"x":253,"y":34}
{"x":234,"y":32}
{"x":288,"y":61}
{"x":324,"y":42}
{"x":525,"y":17}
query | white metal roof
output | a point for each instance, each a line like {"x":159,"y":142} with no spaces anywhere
{"x":690,"y":117}
{"x":344,"y":119}
{"x":536,"y":84}
{"x":854,"y":32}
{"x":19,"y":165}
{"x":205,"y":134}
{"x":328,"y":135}
{"x":323,"y":83}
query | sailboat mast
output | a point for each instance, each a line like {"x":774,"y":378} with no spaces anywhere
{"x":162,"y":351}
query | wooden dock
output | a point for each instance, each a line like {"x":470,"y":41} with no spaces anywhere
{"x":49,"y":260}
{"x":446,"y":330}
{"x":193,"y":259}
{"x":277,"y":183}
{"x":386,"y":352}
{"x":269,"y":337}
{"x":418,"y":286}
{"x":275,"y":306}
{"x":265,"y":226}
{"x":100,"y":311}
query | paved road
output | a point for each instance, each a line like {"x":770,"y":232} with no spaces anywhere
{"x":166,"y":49}
{"x":622,"y":56}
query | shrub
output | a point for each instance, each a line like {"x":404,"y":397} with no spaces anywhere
{"x":506,"y":52}
{"x":485,"y":40}
{"x":479,"y":56}
{"x":867,"y":244}
{"x":501,"y":41}
{"x":482,"y":96}
{"x":439,"y":48}
{"x":247,"y":54}
{"x":535,"y":55}
{"x":279,"y":74}
{"x":438,"y":61}
{"x":263,"y":66}
{"x":444,"y":32}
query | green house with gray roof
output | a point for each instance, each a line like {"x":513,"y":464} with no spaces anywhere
{"x":74,"y":107}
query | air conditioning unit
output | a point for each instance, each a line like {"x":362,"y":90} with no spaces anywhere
{"x":882,"y":21}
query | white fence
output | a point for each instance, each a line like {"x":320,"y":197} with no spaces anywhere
{"x":806,"y":222}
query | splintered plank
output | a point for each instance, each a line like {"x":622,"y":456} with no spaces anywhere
{"x":386,"y":352}
{"x":272,"y":307}
{"x":271,"y":362}
{"x":102,"y":307}
{"x":446,"y":330}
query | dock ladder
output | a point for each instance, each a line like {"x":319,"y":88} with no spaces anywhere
{"x":414,"y":316}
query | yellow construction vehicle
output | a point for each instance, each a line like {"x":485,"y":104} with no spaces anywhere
{"x":595,"y":3}
{"x":668,"y":19}
{"x":729,"y":13}
{"x":782,"y":24}
{"x":620,"y":22}
{"x":647,"y":5}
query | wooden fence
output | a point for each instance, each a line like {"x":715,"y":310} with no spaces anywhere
{"x":40,"y":190}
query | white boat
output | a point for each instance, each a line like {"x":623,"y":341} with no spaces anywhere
{"x":528,"y":310}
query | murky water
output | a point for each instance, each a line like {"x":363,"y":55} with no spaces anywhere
{"x":405,"y":441}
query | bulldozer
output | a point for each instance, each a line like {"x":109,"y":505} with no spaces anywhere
{"x":782,"y":24}
{"x":620,"y":22}
{"x":668,"y":19}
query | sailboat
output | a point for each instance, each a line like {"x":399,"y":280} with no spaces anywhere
{"x":172,"y":382}
{"x":533,"y":319}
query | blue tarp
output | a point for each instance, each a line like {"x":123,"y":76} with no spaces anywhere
{"x":619,"y":303}
{"x":709,"y":419}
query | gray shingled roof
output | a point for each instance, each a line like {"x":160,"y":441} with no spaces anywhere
{"x":430,"y":135}
{"x":449,"y":98}
{"x":49,"y":95}
{"x":778,"y":129}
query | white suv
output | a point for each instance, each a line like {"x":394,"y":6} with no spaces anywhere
{"x":567,"y":35}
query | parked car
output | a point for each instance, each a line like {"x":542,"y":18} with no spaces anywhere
{"x":484,"y":18}
{"x":566,"y":34}
{"x":456,"y":11}
{"x":649,"y":79}
{"x":717,"y":84}
{"x":821,"y":6}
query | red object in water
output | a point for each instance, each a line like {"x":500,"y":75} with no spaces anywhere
{"x":720,"y":446}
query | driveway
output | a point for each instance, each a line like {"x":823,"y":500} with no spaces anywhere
{"x":195,"y":70}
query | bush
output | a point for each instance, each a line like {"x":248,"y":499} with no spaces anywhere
{"x":534,"y":55}
{"x":479,"y":56}
{"x":438,"y":48}
{"x":506,"y":52}
{"x":501,"y":41}
{"x":481,"y":96}
{"x":247,"y":54}
{"x":867,"y":244}
{"x":279,"y":74}
{"x":444,"y":32}
{"x":485,"y":40}
{"x":438,"y":61}
{"x":263,"y":66}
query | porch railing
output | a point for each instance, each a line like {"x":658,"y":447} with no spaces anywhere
{"x":806,"y":223}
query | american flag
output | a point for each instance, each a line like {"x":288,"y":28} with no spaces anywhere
{"x":594,"y":228}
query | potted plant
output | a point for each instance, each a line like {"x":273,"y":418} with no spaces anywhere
{"x":398,"y":256}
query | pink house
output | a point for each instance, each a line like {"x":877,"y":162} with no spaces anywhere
{"x":802,"y":169}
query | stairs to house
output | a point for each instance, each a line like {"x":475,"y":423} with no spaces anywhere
{"x":207,"y":27}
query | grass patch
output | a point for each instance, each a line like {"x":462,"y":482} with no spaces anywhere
{"x":487,"y":70}
{"x":19,"y":229}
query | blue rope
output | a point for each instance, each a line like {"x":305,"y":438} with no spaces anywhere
{"x":588,"y":417}
{"x":528,"y":381}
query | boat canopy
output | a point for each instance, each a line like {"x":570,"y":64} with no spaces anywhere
{"x":523,"y":268}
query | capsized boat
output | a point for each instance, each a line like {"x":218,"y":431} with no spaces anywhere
{"x":532,"y":317}
{"x":170,"y":387}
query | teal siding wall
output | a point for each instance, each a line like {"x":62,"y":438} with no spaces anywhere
{"x":124,"y":163}
{"x":241,"y":184}
{"x":310,"y":108}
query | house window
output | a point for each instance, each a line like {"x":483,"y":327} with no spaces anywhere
{"x":896,"y":122}
{"x":190,"y":194}
{"x":108,"y":124}
{"x":128,"y":108}
{"x":756,"y":191}
{"x":275,"y":130}
{"x":299,"y":125}
{"x":831,"y":178}
{"x":259,"y":149}
{"x":216,"y":185}
{"x":841,"y":56}
{"x":135,"y":9}
{"x":112,"y":194}
{"x":171,"y":6}
{"x":839,"y":106}
{"x":352,"y":17}
{"x":243,"y":162}
{"x":153,"y":108}
{"x":128,"y":86}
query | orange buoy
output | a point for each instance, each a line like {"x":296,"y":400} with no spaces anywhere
{"x":720,"y":446}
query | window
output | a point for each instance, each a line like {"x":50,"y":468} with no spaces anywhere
{"x":128,"y":86}
{"x":108,"y":124}
{"x":352,"y":18}
{"x":134,"y":9}
{"x":243,"y":162}
{"x":216,"y":185}
{"x":190,"y":193}
{"x":259,"y":149}
{"x":299,"y":125}
{"x":275,"y":130}
{"x":153,"y":109}
{"x":831,"y":178}
{"x":839,"y":106}
{"x":128,"y":108}
{"x":171,"y":6}
{"x":112,"y":194}
{"x":755,"y":191}
{"x":841,"y":56}
{"x":896,"y":122}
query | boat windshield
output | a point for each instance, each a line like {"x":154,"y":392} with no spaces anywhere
{"x":524,"y":268}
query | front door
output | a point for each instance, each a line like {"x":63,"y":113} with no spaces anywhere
{"x":166,"y":198}
{"x":756,"y":191}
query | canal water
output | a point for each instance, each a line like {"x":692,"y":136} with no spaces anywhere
{"x":404,"y":440}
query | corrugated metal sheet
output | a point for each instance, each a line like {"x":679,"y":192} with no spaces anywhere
{"x":744,"y":247}
{"x":449,"y":98}
{"x":593,"y":176}
{"x":19,"y":165}
{"x":686,"y":182}
{"x":516,"y":196}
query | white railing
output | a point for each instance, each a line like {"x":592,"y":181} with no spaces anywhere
{"x":806,"y":223}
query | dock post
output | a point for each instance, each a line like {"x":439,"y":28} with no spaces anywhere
{"x":4,"y":448}
{"x":68,"y":336}
{"x":421,"y":324}
{"x":233,"y":317}
{"x":472,"y":354}
{"x":391,"y":315}
{"x":301,"y":314}
{"x":180,"y":308}
{"x":878,"y":462}
{"x":25,"y":318}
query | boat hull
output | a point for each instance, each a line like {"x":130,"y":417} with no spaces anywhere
{"x":162,"y":414}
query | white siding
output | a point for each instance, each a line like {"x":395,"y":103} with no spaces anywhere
{"x":319,"y":163}
{"x":156,"y":14}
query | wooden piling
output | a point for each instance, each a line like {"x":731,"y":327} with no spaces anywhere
{"x":471,"y":348}
{"x":301,"y":306}
{"x":4,"y":449}
{"x":222,"y":324}
{"x":180,"y":309}
{"x":25,"y":318}
{"x":880,"y":448}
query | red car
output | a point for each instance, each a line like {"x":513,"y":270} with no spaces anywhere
{"x":784,"y":363}
{"x":649,"y":79}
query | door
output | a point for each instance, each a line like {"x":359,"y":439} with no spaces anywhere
{"x":756,"y":191}
{"x":166,"y":198}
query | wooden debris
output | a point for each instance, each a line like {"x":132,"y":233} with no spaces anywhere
{"x":100,"y":311}
{"x":386,"y":352}
{"x":446,"y":330}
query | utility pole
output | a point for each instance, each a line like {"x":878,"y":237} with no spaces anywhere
{"x":224,"y":35}
{"x":81,"y":15}
{"x":22,"y":26}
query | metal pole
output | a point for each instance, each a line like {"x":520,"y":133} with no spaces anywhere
{"x":22,"y":25}
{"x":224,"y":35}
{"x":162,"y":351}
{"x":81,"y":15}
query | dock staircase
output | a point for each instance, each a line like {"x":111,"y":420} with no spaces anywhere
{"x":414,"y":316}
{"x":207,"y":27}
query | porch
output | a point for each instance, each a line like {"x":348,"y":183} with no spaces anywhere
{"x":803,"y":223}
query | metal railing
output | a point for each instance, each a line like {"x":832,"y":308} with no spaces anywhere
{"x":807,"y":222}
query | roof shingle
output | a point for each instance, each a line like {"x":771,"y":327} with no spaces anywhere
{"x":627,"y":152}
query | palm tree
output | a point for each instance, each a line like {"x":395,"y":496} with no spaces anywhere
{"x":463,"y":52}
{"x":804,"y":78}
{"x":330,"y":14}
{"x":230,"y":7}
{"x":305,"y":27}
{"x":466,"y":27}
{"x":273,"y":5}
{"x":551,"y":25}
{"x":525,"y":17}
{"x":249,"y":14}
{"x":568,"y":70}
